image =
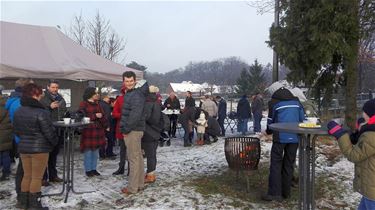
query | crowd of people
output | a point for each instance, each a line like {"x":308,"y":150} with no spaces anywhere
{"x":136,"y":120}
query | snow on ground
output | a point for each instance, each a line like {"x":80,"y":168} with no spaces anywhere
{"x":177,"y":165}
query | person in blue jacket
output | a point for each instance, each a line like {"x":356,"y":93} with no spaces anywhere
{"x":12,"y":105}
{"x":283,"y":108}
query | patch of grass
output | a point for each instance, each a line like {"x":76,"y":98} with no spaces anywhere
{"x":228,"y":184}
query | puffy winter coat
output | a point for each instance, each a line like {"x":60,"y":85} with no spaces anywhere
{"x":362,"y":155}
{"x":33,"y":124}
{"x":6,"y":132}
{"x":93,"y":136}
{"x":152,"y":112}
{"x":132,"y":116}
{"x":283,"y":108}
{"x":12,"y":104}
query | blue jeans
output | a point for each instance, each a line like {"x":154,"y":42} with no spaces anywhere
{"x":366,"y":204}
{"x":90,"y":159}
{"x":242,"y":126}
{"x":5,"y":161}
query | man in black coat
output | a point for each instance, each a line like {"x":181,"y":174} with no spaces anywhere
{"x":189,"y":101}
{"x":222,"y":113}
{"x":56,"y":105}
{"x":243,"y":114}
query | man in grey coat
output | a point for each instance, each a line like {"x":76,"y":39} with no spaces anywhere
{"x":132,"y":126}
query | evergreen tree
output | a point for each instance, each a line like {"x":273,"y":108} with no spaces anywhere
{"x":243,"y":82}
{"x":318,"y":41}
{"x":257,"y":78}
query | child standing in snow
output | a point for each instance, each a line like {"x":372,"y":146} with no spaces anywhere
{"x":201,"y":127}
{"x":361,"y":153}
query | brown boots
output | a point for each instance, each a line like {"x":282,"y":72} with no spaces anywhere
{"x":200,"y":142}
{"x":150,"y":178}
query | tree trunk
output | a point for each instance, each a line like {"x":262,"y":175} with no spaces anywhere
{"x":352,"y":68}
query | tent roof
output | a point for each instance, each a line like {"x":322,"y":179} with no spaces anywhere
{"x":45,"y":52}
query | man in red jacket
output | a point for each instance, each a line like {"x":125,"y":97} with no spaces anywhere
{"x":116,"y":114}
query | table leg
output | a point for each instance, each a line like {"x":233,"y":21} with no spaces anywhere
{"x":313,"y":172}
{"x":300,"y":171}
{"x":308,"y":172}
{"x":68,"y":181}
{"x":64,"y":167}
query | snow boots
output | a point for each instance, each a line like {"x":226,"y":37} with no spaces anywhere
{"x":200,"y":142}
{"x":34,"y":201}
{"x":150,"y":177}
{"x":22,"y":200}
{"x":119,"y":171}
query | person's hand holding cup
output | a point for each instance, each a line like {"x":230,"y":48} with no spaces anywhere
{"x":99,"y":115}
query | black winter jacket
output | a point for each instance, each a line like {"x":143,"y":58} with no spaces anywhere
{"x":33,"y":124}
{"x":222,"y":109}
{"x":174,"y":104}
{"x":243,"y":108}
{"x":152,"y":112}
{"x":132,"y":115}
{"x":189,"y":102}
{"x":57,"y":113}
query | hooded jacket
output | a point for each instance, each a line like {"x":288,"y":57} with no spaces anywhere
{"x":283,"y":108}
{"x":362,"y":155}
{"x":152,"y":112}
{"x":12,"y":104}
{"x":132,"y":116}
{"x":33,"y":124}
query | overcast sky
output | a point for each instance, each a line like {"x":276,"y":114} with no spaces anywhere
{"x":164,"y":35}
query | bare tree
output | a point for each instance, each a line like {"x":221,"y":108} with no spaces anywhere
{"x":78,"y":29}
{"x":97,"y":30}
{"x":98,"y":36}
{"x":262,"y":6}
{"x":114,"y":46}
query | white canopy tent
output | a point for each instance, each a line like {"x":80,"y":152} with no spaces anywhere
{"x":45,"y":52}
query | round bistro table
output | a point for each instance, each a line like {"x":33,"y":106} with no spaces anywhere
{"x":306,"y":158}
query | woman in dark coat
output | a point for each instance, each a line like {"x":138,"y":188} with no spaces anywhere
{"x":93,"y":136}
{"x":33,"y":124}
{"x":152,"y":112}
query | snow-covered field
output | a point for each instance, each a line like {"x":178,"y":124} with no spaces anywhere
{"x":177,"y":165}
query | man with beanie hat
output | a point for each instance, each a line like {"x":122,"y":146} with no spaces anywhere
{"x":362,"y":154}
{"x":132,"y":126}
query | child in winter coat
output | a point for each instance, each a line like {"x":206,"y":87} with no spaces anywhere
{"x":201,"y":128}
{"x":362,"y":154}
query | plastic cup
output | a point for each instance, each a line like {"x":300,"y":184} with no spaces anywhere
{"x":66,"y":120}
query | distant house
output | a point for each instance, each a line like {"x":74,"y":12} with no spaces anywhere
{"x":181,"y":88}
{"x":199,"y":89}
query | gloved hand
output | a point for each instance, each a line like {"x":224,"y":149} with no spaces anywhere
{"x":335,"y":129}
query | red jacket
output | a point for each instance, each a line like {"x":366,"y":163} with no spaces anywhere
{"x":93,"y":135}
{"x":116,"y":113}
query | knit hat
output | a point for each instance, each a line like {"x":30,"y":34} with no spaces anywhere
{"x":369,"y":107}
{"x":89,"y":92}
{"x":153,"y":89}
